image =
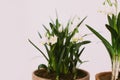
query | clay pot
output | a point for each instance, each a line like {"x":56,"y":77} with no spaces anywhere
{"x":103,"y":76}
{"x":86,"y":76}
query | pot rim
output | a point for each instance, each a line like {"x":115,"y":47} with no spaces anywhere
{"x":84,"y":78}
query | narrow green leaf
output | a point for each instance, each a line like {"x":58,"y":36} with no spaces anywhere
{"x":48,"y":51}
{"x":105,"y":42}
{"x":57,"y":24}
{"x":66,"y":30}
{"x":113,"y":32}
{"x":118,"y":45}
{"x":85,"y":42}
{"x":38,"y":49}
{"x":111,"y":22}
{"x":81,"y":22}
{"x":77,"y":59}
{"x":54,"y":29}
{"x":81,"y":51}
{"x":61,"y":56}
{"x":46,"y":29}
{"x":39,"y":35}
{"x":114,"y":35}
{"x":118,"y":23}
{"x":80,"y":44}
{"x":114,"y":22}
{"x":52,"y":26}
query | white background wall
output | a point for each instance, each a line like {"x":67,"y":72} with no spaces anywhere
{"x":21,"y":19}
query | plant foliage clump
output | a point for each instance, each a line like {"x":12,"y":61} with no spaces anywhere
{"x":63,"y":50}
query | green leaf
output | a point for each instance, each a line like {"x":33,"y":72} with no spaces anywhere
{"x":66,"y":30}
{"x":113,"y":32}
{"x":80,"y":44}
{"x":85,"y":42}
{"x":57,"y":24}
{"x":114,"y":22}
{"x":118,"y":45}
{"x":46,"y":29}
{"x":77,"y":58}
{"x":42,"y":66}
{"x":61,"y":57}
{"x":48,"y":51}
{"x":111,"y":22}
{"x":54,"y":29}
{"x":38,"y":49}
{"x":81,"y":22}
{"x":118,"y":23}
{"x":39,"y":35}
{"x":81,"y":51}
{"x":114,"y":35}
{"x":105,"y":42}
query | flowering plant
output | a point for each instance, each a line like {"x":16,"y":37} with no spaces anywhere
{"x":112,"y":47}
{"x":63,"y":49}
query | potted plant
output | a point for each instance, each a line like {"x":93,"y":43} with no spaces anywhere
{"x":63,"y":52}
{"x":113,"y":47}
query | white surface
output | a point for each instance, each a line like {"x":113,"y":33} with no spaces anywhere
{"x":21,"y":19}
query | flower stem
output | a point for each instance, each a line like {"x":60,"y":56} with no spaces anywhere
{"x":115,"y":68}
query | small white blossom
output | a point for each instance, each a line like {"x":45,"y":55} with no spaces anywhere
{"x":48,"y":39}
{"x":52,"y":40}
{"x":77,"y":38}
{"x":107,"y":10}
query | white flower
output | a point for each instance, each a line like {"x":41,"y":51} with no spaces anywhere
{"x":77,"y":38}
{"x":107,"y":10}
{"x":52,"y":40}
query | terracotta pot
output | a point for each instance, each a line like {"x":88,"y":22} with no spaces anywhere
{"x":103,"y":76}
{"x":86,"y":77}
